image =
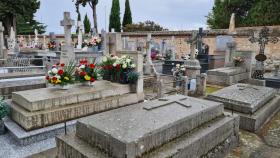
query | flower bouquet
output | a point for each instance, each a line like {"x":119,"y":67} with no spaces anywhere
{"x":124,"y":65}
{"x":86,"y":73}
{"x":52,"y":45}
{"x":107,"y":66}
{"x":238,"y":61}
{"x":178,"y":73}
{"x":61,"y":75}
{"x":94,"y":43}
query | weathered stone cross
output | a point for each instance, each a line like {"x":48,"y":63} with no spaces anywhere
{"x":67,"y":23}
{"x":164,"y":102}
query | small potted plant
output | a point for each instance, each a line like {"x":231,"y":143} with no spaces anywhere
{"x":126,"y":65}
{"x":133,"y":77}
{"x":94,"y":44}
{"x":61,"y":75}
{"x":4,"y":111}
{"x":107,"y":67}
{"x":86,"y":73}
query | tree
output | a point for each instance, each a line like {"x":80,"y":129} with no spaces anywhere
{"x":127,"y":18}
{"x":143,"y":26}
{"x":92,"y":4}
{"x":27,"y":27}
{"x":11,"y":9}
{"x":115,"y":19}
{"x":264,"y":12}
{"x":87,"y":25}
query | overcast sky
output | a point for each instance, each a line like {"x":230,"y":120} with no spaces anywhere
{"x":172,"y":14}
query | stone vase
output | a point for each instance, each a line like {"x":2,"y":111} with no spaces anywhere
{"x":93,"y":49}
{"x":2,"y":127}
{"x":64,"y":87}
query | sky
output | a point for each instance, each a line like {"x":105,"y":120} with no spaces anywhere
{"x":171,"y":14}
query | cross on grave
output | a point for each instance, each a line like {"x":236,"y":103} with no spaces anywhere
{"x":80,"y":34}
{"x":67,"y":53}
{"x":262,"y":40}
{"x":164,"y":102}
{"x":196,"y":42}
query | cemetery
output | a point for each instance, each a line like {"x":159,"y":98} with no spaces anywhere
{"x":86,"y":92}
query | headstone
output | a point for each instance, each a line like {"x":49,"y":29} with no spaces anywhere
{"x":104,"y":39}
{"x":80,"y":35}
{"x":231,"y":29}
{"x":36,"y":38}
{"x":44,"y":46}
{"x":148,"y":64}
{"x":1,"y":40}
{"x":67,"y":53}
{"x":12,"y":40}
{"x":229,"y":54}
{"x":221,"y":42}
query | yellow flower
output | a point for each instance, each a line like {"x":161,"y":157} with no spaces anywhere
{"x":66,"y":78}
{"x":58,"y":81}
{"x":87,"y":77}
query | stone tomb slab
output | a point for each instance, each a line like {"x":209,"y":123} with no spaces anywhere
{"x":134,"y":130}
{"x":227,"y":71}
{"x":243,"y":98}
{"x":50,"y":98}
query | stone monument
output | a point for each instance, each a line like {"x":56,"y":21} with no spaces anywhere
{"x":148,"y":64}
{"x":192,"y":65}
{"x":12,"y":40}
{"x":36,"y":40}
{"x":1,"y":40}
{"x":175,"y":126}
{"x":231,"y":29}
{"x":80,"y":35}
{"x":67,"y":52}
{"x":254,"y":104}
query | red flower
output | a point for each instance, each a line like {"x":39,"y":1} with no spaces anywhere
{"x":91,"y":66}
{"x":60,"y":72}
{"x":62,"y":64}
{"x":47,"y":77}
{"x":110,"y":67}
{"x":54,"y":78}
{"x":118,"y":66}
{"x":83,"y":73}
{"x":92,"y":79}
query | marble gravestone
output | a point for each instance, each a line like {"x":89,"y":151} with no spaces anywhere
{"x":254,"y":104}
{"x":176,"y":126}
{"x":67,"y":54}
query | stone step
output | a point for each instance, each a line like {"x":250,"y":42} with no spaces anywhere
{"x":219,"y":135}
{"x":34,"y":120}
{"x":136,"y":129}
{"x":49,"y":98}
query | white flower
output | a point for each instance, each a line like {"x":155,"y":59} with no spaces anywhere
{"x":183,"y":69}
{"x":49,"y":72}
{"x":115,"y":58}
{"x":124,"y":66}
{"x":54,"y":70}
{"x":57,"y":76}
{"x":82,"y":67}
{"x":104,"y":59}
{"x":115,"y":64}
{"x":133,"y":65}
{"x":128,"y":60}
{"x":177,"y":65}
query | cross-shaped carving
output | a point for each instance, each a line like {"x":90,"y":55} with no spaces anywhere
{"x":164,"y":102}
{"x":67,"y":22}
{"x":196,"y":42}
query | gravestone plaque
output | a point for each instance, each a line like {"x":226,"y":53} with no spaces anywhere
{"x":243,"y":98}
{"x":132,"y":131}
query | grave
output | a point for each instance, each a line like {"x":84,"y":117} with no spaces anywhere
{"x":272,"y":79}
{"x":254,"y":104}
{"x":175,"y":126}
{"x":232,"y":74}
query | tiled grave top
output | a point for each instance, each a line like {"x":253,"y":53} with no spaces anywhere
{"x":46,"y":98}
{"x":243,"y":97}
{"x":136,"y":129}
{"x":227,"y":71}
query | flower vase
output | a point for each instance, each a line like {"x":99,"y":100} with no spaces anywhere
{"x":2,"y":127}
{"x":64,"y":87}
{"x":86,"y":83}
{"x":124,"y":77}
{"x":93,"y":49}
{"x":132,"y":88}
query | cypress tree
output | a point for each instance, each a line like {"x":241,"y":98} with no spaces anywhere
{"x":87,"y":25}
{"x":115,"y":19}
{"x":127,"y":18}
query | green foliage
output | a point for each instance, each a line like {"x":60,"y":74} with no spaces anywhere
{"x":4,"y":109}
{"x":92,"y":4}
{"x":11,"y":9}
{"x":133,"y":77}
{"x":115,"y":19}
{"x":87,"y":24}
{"x":27,"y":27}
{"x":143,"y":26}
{"x":247,"y":13}
{"x":127,"y":18}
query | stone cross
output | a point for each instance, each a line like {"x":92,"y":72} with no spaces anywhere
{"x":192,"y":41}
{"x":199,"y":40}
{"x":12,"y":40}
{"x":67,"y":53}
{"x":262,"y":40}
{"x":229,"y":58}
{"x":1,"y":40}
{"x":164,"y":102}
{"x":80,"y":35}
